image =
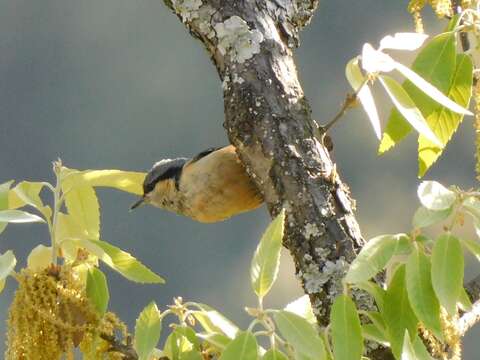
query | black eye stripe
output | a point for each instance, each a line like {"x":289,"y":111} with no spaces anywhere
{"x":171,"y":169}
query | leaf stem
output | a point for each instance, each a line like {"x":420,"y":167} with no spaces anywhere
{"x":57,"y":202}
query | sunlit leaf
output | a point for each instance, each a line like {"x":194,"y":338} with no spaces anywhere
{"x":403,"y":41}
{"x":435,"y":196}
{"x":217,"y":340}
{"x":374,"y":256}
{"x":7,"y":263}
{"x":346,"y":330}
{"x":147,"y":331}
{"x":266,"y":261}
{"x":127,"y":265}
{"x":303,"y":308}
{"x":299,"y":333}
{"x":425,"y":217}
{"x":97,"y":290}
{"x":82,"y":204}
{"x":472,"y":246}
{"x":356,"y":79}
{"x":442,"y":121}
{"x":420,"y":291}
{"x":447,"y":271}
{"x":464,"y":302}
{"x":398,"y":313}
{"x":408,"y":352}
{"x":374,"y":61}
{"x":214,"y":322}
{"x":4,"y":193}
{"x":405,"y":105}
{"x":128,"y":181}
{"x":243,"y":347}
{"x":40,"y":258}
{"x":436,"y":64}
{"x":18,"y":217}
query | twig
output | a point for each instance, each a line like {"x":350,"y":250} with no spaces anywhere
{"x":457,"y":9}
{"x":126,"y":350}
{"x":469,"y":319}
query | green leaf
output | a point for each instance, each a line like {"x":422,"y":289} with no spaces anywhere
{"x":97,"y":290}
{"x":464,"y":302}
{"x":425,"y":217}
{"x":126,"y":264}
{"x":473,"y":247}
{"x":243,"y":347}
{"x":217,"y":340}
{"x":373,"y":333}
{"x":406,"y":106}
{"x":303,"y":308}
{"x":82,"y":204}
{"x":214,"y":322}
{"x":18,"y":217}
{"x":420,"y":292}
{"x":2,"y":285}
{"x":274,"y":354}
{"x":398,"y":314}
{"x":374,"y":290}
{"x":447,"y":271}
{"x":435,"y":196}
{"x":442,"y":121}
{"x":4,"y":192}
{"x":346,"y":330}
{"x":408,"y":352}
{"x":420,"y":350}
{"x":356,"y":79}
{"x":147,"y":331}
{"x":436,"y":64}
{"x":122,"y":180}
{"x":189,"y":334}
{"x":300,"y":334}
{"x":7,"y":264}
{"x":177,"y":346}
{"x":374,"y":256}
{"x":39,"y":258}
{"x":266,"y":261}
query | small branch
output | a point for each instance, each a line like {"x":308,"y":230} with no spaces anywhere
{"x":126,"y":350}
{"x":469,"y":319}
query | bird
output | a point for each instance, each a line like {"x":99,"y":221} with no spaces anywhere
{"x":210,"y":187}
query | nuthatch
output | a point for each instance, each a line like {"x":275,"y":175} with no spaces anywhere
{"x":211,"y":187}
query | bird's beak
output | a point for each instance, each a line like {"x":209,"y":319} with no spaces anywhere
{"x":138,"y":203}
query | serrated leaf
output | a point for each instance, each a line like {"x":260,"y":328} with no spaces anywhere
{"x":398,"y":314}
{"x":39,"y":258}
{"x":82,"y":204}
{"x":299,"y":333}
{"x":442,"y":121}
{"x":214,"y":322}
{"x":266,"y":261}
{"x":406,"y":106}
{"x":274,"y":354}
{"x":424,"y":217}
{"x":403,"y":41}
{"x":436,"y":64}
{"x":7,"y":264}
{"x":147,"y":331}
{"x":420,"y":292}
{"x":302,"y":307}
{"x":447,"y":271}
{"x":435,"y":196}
{"x":97,"y":290}
{"x":128,"y":181}
{"x":346,"y":330}
{"x":356,"y":79}
{"x":243,"y":347}
{"x":127,"y":265}
{"x":18,"y":217}
{"x":373,"y":257}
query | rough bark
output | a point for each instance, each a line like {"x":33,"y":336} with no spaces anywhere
{"x":268,"y":119}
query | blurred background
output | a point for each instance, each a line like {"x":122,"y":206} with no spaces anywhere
{"x":120,"y":84}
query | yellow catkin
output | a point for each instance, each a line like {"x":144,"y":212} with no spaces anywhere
{"x":476,"y":124}
{"x":50,"y":315}
{"x":442,"y":8}
{"x":414,"y":7}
